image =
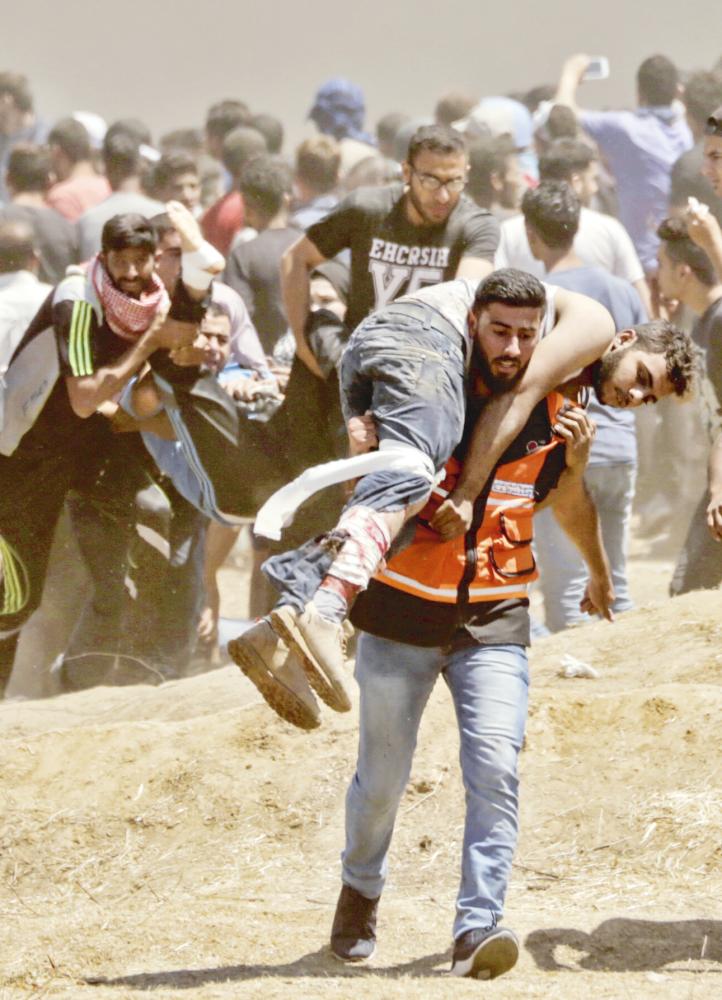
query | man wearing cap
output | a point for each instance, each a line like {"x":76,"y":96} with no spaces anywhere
{"x":338,"y":110}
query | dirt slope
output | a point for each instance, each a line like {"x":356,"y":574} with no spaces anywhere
{"x":182,"y":842}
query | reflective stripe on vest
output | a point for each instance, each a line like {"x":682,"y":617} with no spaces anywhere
{"x":505,"y":565}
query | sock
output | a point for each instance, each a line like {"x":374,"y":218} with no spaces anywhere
{"x":330,"y":604}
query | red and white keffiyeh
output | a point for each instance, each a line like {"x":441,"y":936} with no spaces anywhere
{"x":127,"y":317}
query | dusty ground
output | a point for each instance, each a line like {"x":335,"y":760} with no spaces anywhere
{"x":181,"y":841}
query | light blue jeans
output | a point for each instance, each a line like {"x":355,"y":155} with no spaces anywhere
{"x":489,"y":686}
{"x":563,"y":573}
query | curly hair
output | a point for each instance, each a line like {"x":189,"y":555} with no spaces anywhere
{"x":682,"y":356}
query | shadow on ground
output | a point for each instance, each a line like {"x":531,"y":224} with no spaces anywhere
{"x":319,"y":963}
{"x":621,"y":945}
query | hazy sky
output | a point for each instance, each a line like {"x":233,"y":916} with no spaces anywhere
{"x":166,"y":60}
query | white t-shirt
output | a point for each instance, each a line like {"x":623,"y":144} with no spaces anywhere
{"x":601,"y":241}
{"x":453,"y":299}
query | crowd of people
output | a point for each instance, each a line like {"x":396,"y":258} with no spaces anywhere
{"x":196,"y":333}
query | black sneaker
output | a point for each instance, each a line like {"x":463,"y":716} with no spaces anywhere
{"x":353,"y":935}
{"x":485,"y":953}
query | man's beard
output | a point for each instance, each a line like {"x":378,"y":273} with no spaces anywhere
{"x":497,"y":385}
{"x":428,"y":220}
{"x":602,"y":371}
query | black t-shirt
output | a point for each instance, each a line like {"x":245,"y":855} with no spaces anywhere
{"x":707,"y":333}
{"x":253,"y":270}
{"x":393,"y":614}
{"x":391,"y":257}
{"x":55,"y":239}
{"x":85,"y":344}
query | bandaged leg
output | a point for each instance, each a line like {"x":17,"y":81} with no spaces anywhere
{"x":358,"y":559}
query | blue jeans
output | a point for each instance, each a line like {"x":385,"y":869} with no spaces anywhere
{"x":563,"y":572}
{"x":489,"y":686}
{"x":405,"y":363}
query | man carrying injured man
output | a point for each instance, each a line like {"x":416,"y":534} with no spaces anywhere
{"x":405,"y":364}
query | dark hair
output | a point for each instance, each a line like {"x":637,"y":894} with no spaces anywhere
{"x":536,"y":95}
{"x":17,"y":86}
{"x":388,"y":126}
{"x":121,"y":157}
{"x":565,"y":157}
{"x":224,"y":116}
{"x":188,"y":140}
{"x":17,"y":245}
{"x":683,"y":250}
{"x":29,"y":168}
{"x":713,"y":125}
{"x":170,"y":165}
{"x":438,"y":139}
{"x":552,"y":211}
{"x":161,"y":225}
{"x":271,"y":129}
{"x":487,"y":155}
{"x":318,"y":160}
{"x":562,"y":123}
{"x":511,"y":287}
{"x":264,"y":182}
{"x":702,"y":94}
{"x":683,"y":357}
{"x":240,"y":146}
{"x":453,"y":106}
{"x":71,"y":136}
{"x":126,"y":231}
{"x":657,"y":80}
{"x":134,"y":128}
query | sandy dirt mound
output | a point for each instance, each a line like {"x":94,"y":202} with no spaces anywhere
{"x":181,"y":841}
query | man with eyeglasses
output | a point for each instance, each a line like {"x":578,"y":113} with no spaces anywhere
{"x":402,"y":237}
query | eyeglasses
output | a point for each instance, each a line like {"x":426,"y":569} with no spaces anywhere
{"x":714,"y":125}
{"x":430,"y":182}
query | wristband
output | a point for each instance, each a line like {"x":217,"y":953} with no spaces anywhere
{"x":195,"y":266}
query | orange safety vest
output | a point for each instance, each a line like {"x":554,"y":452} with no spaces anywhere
{"x":504,"y":562}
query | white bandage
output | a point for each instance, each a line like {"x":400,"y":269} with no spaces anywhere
{"x":199,"y":267}
{"x":277,"y":512}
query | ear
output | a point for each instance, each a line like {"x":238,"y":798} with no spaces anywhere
{"x":623,"y":338}
{"x":497,"y":181}
{"x":472,"y":323}
{"x":406,"y":172}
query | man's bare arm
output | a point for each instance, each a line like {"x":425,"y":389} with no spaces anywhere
{"x":705,"y":230}
{"x":296,"y":266}
{"x":582,"y":333}
{"x":575,"y":511}
{"x":88,"y":392}
{"x":474,"y":268}
{"x":714,"y":507}
{"x":571,"y":76}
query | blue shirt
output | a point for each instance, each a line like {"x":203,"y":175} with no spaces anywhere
{"x":616,"y":439}
{"x":641,"y":148}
